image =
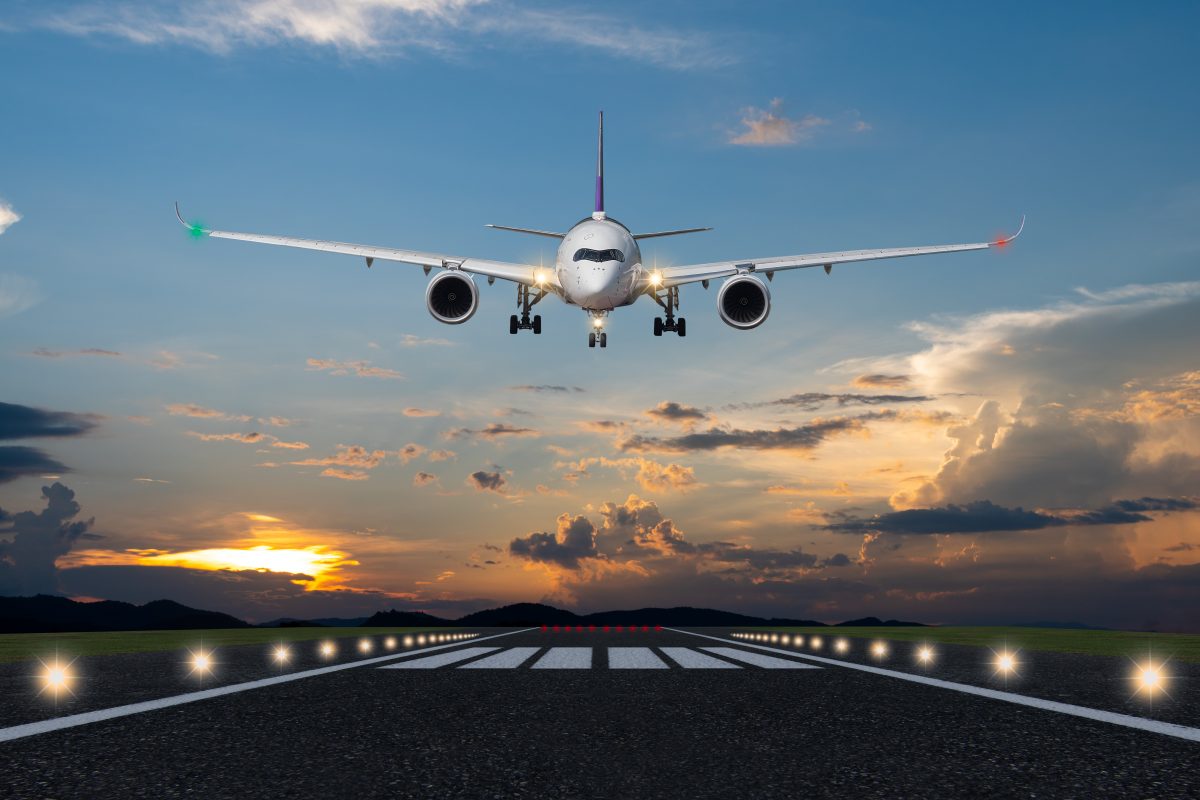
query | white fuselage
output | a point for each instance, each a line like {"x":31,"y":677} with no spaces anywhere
{"x":599,"y":265}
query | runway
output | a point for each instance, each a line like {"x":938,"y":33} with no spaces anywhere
{"x":527,"y":714}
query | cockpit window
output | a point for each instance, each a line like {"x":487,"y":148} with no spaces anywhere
{"x":599,"y":256}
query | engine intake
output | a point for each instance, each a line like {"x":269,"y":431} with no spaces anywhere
{"x":744,"y":302}
{"x":452,"y":297}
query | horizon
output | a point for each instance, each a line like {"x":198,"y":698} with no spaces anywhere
{"x":971,"y":438}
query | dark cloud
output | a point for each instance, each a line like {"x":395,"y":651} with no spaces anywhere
{"x":20,"y":462}
{"x":28,"y":560}
{"x":838,"y":560}
{"x":492,"y":431}
{"x":803,"y":437}
{"x":811,"y":401}
{"x":424,"y":479}
{"x":487,"y":481}
{"x":984,"y":516}
{"x":671,"y":411}
{"x":25,"y":422}
{"x":574,"y":539}
{"x":545,"y":388}
{"x":879,"y":380}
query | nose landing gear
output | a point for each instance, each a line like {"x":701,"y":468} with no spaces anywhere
{"x":598,"y":335}
{"x":524,"y":301}
{"x":669,"y":304}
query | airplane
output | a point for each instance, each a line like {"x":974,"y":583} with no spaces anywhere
{"x":598,"y":268}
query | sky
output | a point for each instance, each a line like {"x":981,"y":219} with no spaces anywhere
{"x":991,"y":437}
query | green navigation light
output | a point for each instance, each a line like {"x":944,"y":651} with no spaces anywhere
{"x":196,"y":230}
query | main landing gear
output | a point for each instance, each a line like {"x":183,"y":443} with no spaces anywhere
{"x":669,"y":304}
{"x":524,"y":301}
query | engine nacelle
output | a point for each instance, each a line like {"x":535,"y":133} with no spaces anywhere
{"x":744,"y":302}
{"x":452,"y":297}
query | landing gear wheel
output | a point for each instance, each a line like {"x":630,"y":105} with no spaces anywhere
{"x":682,"y":327}
{"x":658,"y":326}
{"x":591,"y":340}
{"x":604,"y":340}
{"x":512,"y":324}
{"x":537,"y":324}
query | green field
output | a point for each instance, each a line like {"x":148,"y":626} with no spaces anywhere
{"x":1174,"y":646}
{"x":23,"y":646}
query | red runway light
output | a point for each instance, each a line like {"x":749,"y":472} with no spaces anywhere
{"x":556,"y":629}
{"x":606,"y":629}
{"x":591,"y":628}
{"x":658,"y":627}
{"x":620,"y":628}
{"x":645,"y":629}
{"x":543,"y":629}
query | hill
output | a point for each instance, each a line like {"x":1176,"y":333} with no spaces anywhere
{"x":47,"y":614}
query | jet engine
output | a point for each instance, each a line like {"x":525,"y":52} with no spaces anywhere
{"x":744,"y":302}
{"x":452,"y":297}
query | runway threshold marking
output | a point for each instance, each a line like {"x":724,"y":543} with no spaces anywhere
{"x":688,"y":658}
{"x":506,"y":659}
{"x":1111,"y":717}
{"x":634,"y":658}
{"x":441,"y":659}
{"x":565,"y":658}
{"x":88,"y":717}
{"x":766,"y":662}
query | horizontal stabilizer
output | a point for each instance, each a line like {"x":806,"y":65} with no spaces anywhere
{"x":551,"y":234}
{"x":656,"y":234}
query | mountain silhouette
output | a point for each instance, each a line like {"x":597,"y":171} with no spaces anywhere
{"x":47,"y":614}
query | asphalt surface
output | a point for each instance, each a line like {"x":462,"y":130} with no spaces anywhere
{"x":627,"y":723}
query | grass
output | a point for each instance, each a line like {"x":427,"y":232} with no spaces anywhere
{"x":23,"y":646}
{"x":1175,"y":646}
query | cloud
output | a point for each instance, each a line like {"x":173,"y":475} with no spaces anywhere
{"x":8,"y":215}
{"x":27,"y":422}
{"x":28,"y":561}
{"x":424,"y":479}
{"x":546,"y":388}
{"x":354,"y":456}
{"x":344,"y":474}
{"x":410,"y":451}
{"x":487,"y":482}
{"x":803,"y":437}
{"x":650,"y":475}
{"x":244,"y":438}
{"x":17,"y":294}
{"x":880,"y":381}
{"x":574,"y":538}
{"x":442,"y":455}
{"x":769,"y":128}
{"x":811,"y":401}
{"x":20,"y":462}
{"x":670,"y":411}
{"x":983,"y":516}
{"x":362,"y":369}
{"x":42,"y":352}
{"x":200,"y":412}
{"x":409,"y":340}
{"x":491,"y":432}
{"x":421,"y":412}
{"x":387,"y":28}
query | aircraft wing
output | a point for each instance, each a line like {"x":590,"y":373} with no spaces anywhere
{"x":677,"y":276}
{"x":518,"y":273}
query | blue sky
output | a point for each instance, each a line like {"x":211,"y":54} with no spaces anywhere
{"x":414,"y":123}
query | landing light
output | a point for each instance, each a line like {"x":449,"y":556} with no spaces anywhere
{"x":540,"y":278}
{"x":598,"y":323}
{"x":656,"y":278}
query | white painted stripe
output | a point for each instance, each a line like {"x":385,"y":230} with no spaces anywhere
{"x":634,"y":658}
{"x":442,"y":659}
{"x":766,"y":662}
{"x":507,"y":659}
{"x":565,"y":658}
{"x":694,"y":659}
{"x":74,"y":720}
{"x":1111,"y":717}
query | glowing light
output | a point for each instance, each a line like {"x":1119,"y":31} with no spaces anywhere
{"x":841,"y":645}
{"x":656,"y":278}
{"x":390,"y":643}
{"x":408,"y":641}
{"x":784,"y":639}
{"x":328,"y":650}
{"x":798,"y":641}
{"x":1149,"y":679}
{"x":598,"y":322}
{"x":1005,"y":663}
{"x":56,"y":678}
{"x":364,"y":645}
{"x":815,"y":642}
{"x":879,"y":650}
{"x":421,"y":640}
{"x":925,"y":655}
{"x":281,"y":654}
{"x":774,"y":638}
{"x":202,"y":662}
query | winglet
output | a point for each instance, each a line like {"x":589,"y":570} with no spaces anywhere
{"x":1006,"y":240}
{"x":196,"y":230}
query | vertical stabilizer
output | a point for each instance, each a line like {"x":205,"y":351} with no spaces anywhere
{"x":599,"y":213}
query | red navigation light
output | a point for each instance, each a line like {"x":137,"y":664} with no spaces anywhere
{"x":1001,"y":242}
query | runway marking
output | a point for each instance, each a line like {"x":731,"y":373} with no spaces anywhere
{"x":441,"y":659}
{"x":565,"y":658}
{"x":1111,"y":717}
{"x":88,"y":717}
{"x":693,"y":659}
{"x":634,"y":658}
{"x":766,"y":662}
{"x":508,"y":659}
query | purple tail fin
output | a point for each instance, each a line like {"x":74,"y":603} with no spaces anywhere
{"x":600,"y":169}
